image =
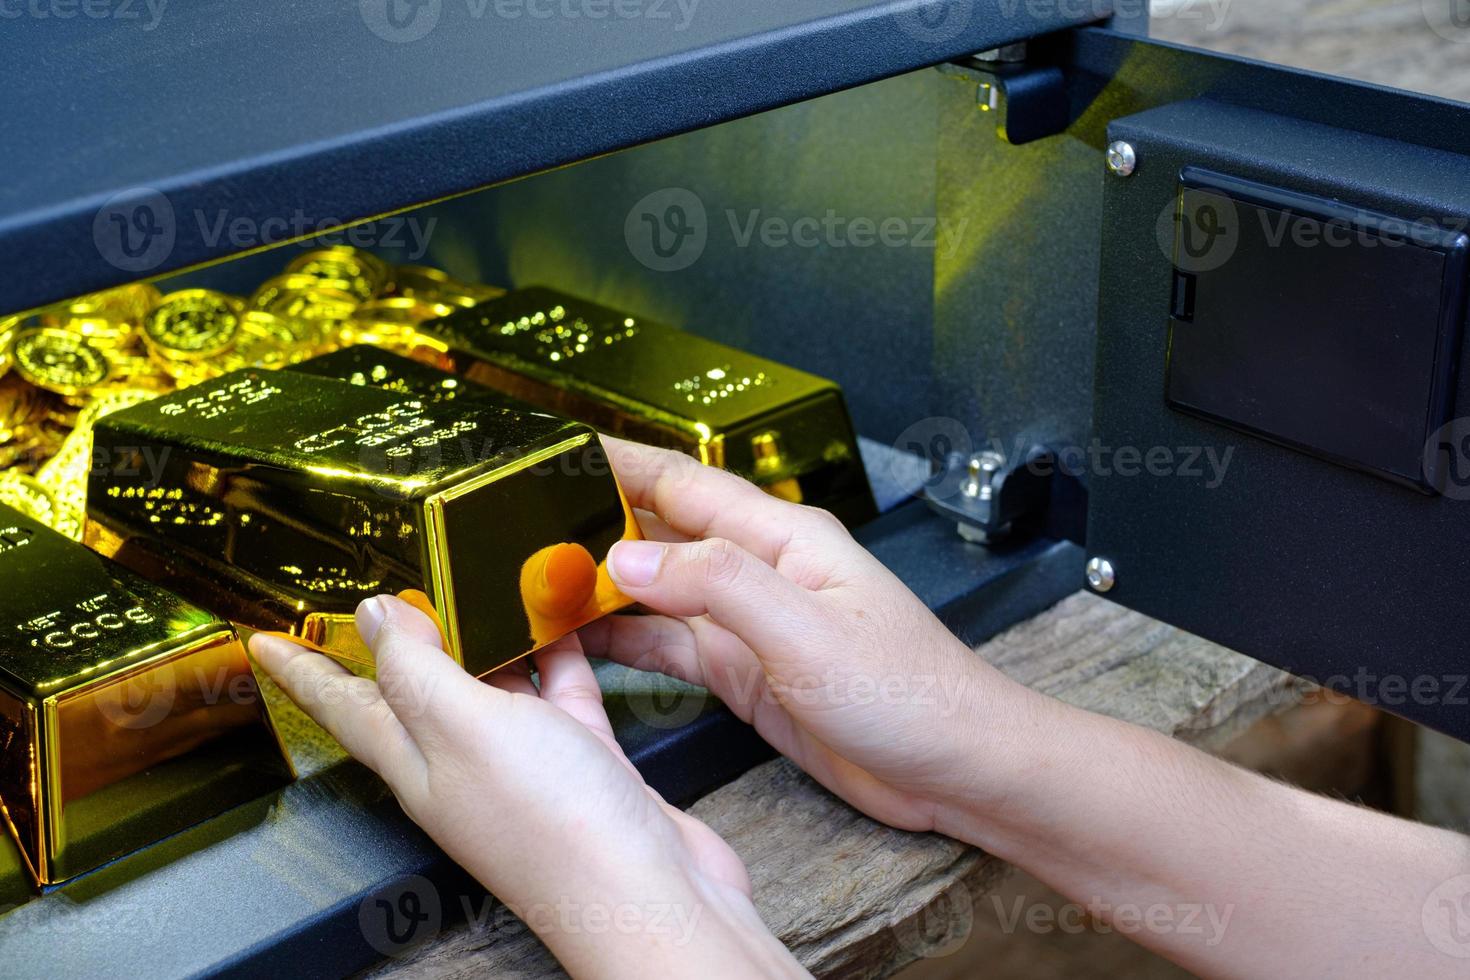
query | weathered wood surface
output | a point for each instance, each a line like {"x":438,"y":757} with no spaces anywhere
{"x":1387,"y":42}
{"x":848,"y":895}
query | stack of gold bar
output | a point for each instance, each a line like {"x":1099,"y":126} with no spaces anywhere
{"x":129,"y":712}
{"x":64,"y":367}
{"x":784,"y":429}
{"x":266,"y":462}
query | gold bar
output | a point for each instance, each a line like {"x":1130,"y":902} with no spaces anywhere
{"x":126,"y":713}
{"x":786,"y":430}
{"x":373,"y":367}
{"x":283,"y":499}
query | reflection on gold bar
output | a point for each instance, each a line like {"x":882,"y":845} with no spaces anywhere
{"x":284,"y":499}
{"x":368,"y":366}
{"x":784,"y":429}
{"x":126,"y":713}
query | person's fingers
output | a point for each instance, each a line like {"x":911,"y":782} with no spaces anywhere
{"x":351,"y":708}
{"x":437,"y":702}
{"x":720,"y":579}
{"x":696,"y":651}
{"x":658,"y":644}
{"x":655,"y":528}
{"x":568,"y":682}
{"x":514,"y":679}
{"x":701,"y":501}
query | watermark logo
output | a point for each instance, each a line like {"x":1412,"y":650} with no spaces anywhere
{"x":1207,"y":922}
{"x":139,"y":702}
{"x":1450,"y":19}
{"x":1446,"y":917}
{"x":1211,"y":16}
{"x":401,"y":915}
{"x":935,"y":441}
{"x":112,"y":10}
{"x":1200,"y":231}
{"x":941,"y":928}
{"x":668,"y":230}
{"x":400,"y":21}
{"x":940,"y":442}
{"x":664,"y":703}
{"x":1447,"y":459}
{"x":135,"y":230}
{"x":935,"y":21}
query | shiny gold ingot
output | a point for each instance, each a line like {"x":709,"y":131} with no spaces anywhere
{"x":126,"y":713}
{"x":284,"y":499}
{"x":786,"y":430}
{"x":372,"y":367}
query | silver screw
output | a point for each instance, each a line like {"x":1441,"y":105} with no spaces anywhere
{"x":1101,"y":576}
{"x":1122,"y":158}
{"x":982,"y":471}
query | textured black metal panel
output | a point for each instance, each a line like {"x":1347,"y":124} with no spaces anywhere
{"x":1015,"y":288}
{"x":842,"y":306}
{"x":269,"y":110}
{"x":1323,"y":570}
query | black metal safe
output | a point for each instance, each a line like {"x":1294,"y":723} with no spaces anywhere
{"x":1180,"y":328}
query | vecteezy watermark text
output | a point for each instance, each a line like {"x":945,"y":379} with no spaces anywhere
{"x":147,"y":14}
{"x":669,"y":230}
{"x":136,"y":230}
{"x":1099,"y":915}
{"x":405,"y":21}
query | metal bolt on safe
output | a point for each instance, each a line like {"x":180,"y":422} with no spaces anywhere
{"x":982,"y":469}
{"x":1122,"y":158}
{"x":1101,"y":577}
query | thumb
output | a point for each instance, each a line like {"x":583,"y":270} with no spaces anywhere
{"x":430,"y":694}
{"x":719,"y":579}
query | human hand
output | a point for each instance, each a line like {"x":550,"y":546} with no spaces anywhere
{"x":778,"y":612}
{"x":527,"y":789}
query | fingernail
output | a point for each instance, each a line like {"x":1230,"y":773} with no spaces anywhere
{"x":635,"y":563}
{"x":370,"y":613}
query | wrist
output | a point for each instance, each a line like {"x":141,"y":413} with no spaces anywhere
{"x":653,"y":921}
{"x":1007,"y":746}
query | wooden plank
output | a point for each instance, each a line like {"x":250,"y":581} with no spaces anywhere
{"x":853,"y":898}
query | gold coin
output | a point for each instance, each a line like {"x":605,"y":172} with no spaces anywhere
{"x":129,"y":304}
{"x":22,"y":406}
{"x":59,"y":361}
{"x":103,"y":333}
{"x":411,"y":279}
{"x":9,"y":327}
{"x":28,"y":496}
{"x":363,"y":274}
{"x":434,"y":285}
{"x":284,"y":331}
{"x":192,"y":324}
{"x":271,"y":342}
{"x":401,"y":310}
{"x":135,"y":372}
{"x":113,"y":401}
{"x":301,"y":297}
